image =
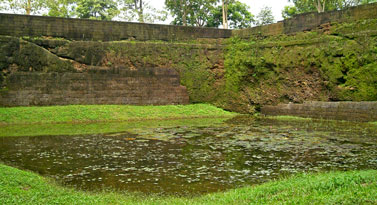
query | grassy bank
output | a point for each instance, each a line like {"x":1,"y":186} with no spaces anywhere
{"x":353,"y":187}
{"x":288,"y":117}
{"x":106,"y":113}
{"x":297,"y":118}
{"x":17,"y":130}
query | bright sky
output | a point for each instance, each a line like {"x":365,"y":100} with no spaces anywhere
{"x":255,"y":6}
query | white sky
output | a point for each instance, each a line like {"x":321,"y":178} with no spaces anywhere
{"x":255,"y":6}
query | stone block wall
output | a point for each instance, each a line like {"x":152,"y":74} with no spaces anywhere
{"x":117,"y":86}
{"x":56,"y":69}
{"x":84,"y":29}
{"x":95,"y":30}
{"x":353,"y":111}
{"x":311,"y":21}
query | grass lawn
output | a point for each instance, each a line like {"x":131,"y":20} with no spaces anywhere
{"x":352,"y":187}
{"x":106,"y":113}
{"x":16,"y":130}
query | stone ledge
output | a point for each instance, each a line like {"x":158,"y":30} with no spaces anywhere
{"x":352,"y":111}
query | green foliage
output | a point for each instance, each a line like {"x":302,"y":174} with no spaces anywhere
{"x":97,"y":9}
{"x":239,"y":16}
{"x":25,"y":6}
{"x":289,"y":11}
{"x":304,"y":6}
{"x":190,"y":12}
{"x":265,"y":16}
{"x":352,"y":187}
{"x":141,"y":11}
{"x":61,"y":8}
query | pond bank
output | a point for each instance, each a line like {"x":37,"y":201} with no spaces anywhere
{"x":351,"y":111}
{"x":351,"y":187}
{"x":106,"y":113}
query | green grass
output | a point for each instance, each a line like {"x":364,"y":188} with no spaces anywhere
{"x":101,"y":127}
{"x":352,"y":187}
{"x":106,"y":113}
{"x":288,"y":117}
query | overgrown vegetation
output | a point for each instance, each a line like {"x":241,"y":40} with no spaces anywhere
{"x":353,"y":187}
{"x":106,"y":113}
{"x":337,"y":62}
{"x":334,"y":64}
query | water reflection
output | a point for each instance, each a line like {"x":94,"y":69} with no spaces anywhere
{"x":195,"y":159}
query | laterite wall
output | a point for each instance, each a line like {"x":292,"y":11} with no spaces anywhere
{"x":140,"y":87}
{"x":353,"y":111}
{"x":95,"y":30}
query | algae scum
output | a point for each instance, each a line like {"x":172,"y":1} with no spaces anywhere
{"x":191,"y":159}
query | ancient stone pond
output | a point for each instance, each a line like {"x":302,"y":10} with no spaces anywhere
{"x":189,"y":157}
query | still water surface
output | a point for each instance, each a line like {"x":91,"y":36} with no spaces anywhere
{"x":189,"y":159}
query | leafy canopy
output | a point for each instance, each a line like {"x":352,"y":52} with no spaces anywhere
{"x":239,"y":15}
{"x":141,"y":11}
{"x":97,"y":9}
{"x":304,"y":6}
{"x":265,"y":16}
{"x":190,"y":12}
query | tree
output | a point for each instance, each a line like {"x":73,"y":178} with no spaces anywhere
{"x":61,"y":8}
{"x":238,"y":16}
{"x":289,"y":11}
{"x":97,"y":9}
{"x":304,"y":6}
{"x":265,"y":16}
{"x":225,"y":4}
{"x":190,"y":12}
{"x":26,"y":6}
{"x":179,"y":10}
{"x":141,"y":11}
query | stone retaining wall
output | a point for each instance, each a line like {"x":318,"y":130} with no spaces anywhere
{"x":85,"y":29}
{"x":139,"y":87}
{"x":310,"y":21}
{"x":353,"y":111}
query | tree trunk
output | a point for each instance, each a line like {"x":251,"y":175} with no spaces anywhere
{"x":225,"y":14}
{"x":141,"y":12}
{"x":320,"y":7}
{"x":184,"y":20}
{"x":28,"y":7}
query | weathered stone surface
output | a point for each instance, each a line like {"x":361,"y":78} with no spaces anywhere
{"x":310,"y":21}
{"x":353,"y":111}
{"x":336,"y":61}
{"x":151,"y":86}
{"x":84,"y":29}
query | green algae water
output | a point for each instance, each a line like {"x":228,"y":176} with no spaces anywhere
{"x":192,"y":157}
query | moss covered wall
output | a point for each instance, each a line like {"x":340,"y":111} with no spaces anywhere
{"x":95,"y":30}
{"x":199,"y":63}
{"x":332,"y":61}
{"x":310,"y":21}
